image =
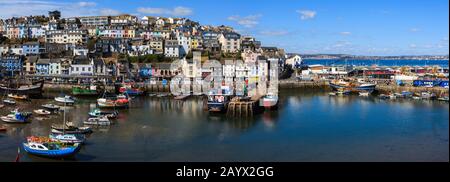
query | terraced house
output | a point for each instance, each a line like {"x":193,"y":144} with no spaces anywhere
{"x":11,"y":64}
{"x":230,"y":42}
{"x":66,"y":36}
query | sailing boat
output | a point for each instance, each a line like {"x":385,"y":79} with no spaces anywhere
{"x":66,"y":138}
{"x":16,"y":117}
{"x":28,"y":89}
{"x":66,"y":99}
{"x":7,"y":100}
{"x":45,"y":147}
{"x":112,"y":101}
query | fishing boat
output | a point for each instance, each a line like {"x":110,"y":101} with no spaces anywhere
{"x":398,"y":95}
{"x":364,"y":94}
{"x":383,"y":96}
{"x":30,"y":89}
{"x":103,"y":121}
{"x":218,"y":100}
{"x":162,"y":95}
{"x":131,"y":89}
{"x":67,"y":138}
{"x":18,"y":97}
{"x":9,"y":101}
{"x":218,"y":103}
{"x":113,"y":101}
{"x":445,"y":98}
{"x":16,"y":117}
{"x":151,"y":94}
{"x":98,"y":113}
{"x":428,"y":95}
{"x":181,"y":97}
{"x":352,"y":85}
{"x":332,"y":93}
{"x":51,"y":149}
{"x":270,"y":100}
{"x":392,"y":96}
{"x":2,"y":128}
{"x":407,"y":94}
{"x":343,"y":92}
{"x":51,"y":107}
{"x":42,"y":112}
{"x":72,"y":130}
{"x":67,"y":99}
{"x":416,"y":97}
{"x":86,"y":90}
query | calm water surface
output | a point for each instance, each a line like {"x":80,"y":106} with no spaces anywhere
{"x":309,"y":126}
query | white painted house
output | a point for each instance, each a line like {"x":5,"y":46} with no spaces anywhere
{"x":294,"y":60}
{"x":54,"y":67}
{"x":81,"y":65}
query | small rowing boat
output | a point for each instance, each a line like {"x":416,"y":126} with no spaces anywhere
{"x":364,"y":94}
{"x":162,"y":95}
{"x":51,"y":107}
{"x":103,"y":121}
{"x":67,"y":99}
{"x":18,"y":97}
{"x":16,"y":117}
{"x":98,"y":113}
{"x":9,"y":101}
{"x":42,"y":112}
{"x":181,"y":97}
{"x":67,"y":138}
{"x":70,"y":129}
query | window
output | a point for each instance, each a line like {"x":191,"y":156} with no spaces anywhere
{"x":82,"y":69}
{"x":77,"y":69}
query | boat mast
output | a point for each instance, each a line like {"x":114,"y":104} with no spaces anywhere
{"x":64,"y":119}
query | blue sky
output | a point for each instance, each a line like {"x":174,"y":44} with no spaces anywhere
{"x":361,"y":27}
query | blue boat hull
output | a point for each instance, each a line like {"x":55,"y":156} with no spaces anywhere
{"x":66,"y":152}
{"x":369,"y":89}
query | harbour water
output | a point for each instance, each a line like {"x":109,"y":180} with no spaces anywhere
{"x":328,"y":62}
{"x":308,"y":126}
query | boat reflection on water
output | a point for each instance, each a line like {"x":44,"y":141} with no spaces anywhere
{"x":164,"y":129}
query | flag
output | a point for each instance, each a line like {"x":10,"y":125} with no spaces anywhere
{"x":18,"y":154}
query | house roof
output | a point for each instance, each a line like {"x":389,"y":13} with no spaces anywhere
{"x":43,"y":61}
{"x":31,"y":59}
{"x":164,"y":66}
{"x":81,"y":59}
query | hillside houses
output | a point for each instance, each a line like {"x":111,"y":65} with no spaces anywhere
{"x":53,"y":45}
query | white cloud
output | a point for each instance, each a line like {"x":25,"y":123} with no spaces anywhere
{"x":412,"y":45}
{"x":345,"y":33}
{"x":274,"y":33}
{"x":248,"y":21}
{"x":414,"y":29}
{"x":306,"y":14}
{"x":341,"y":44}
{"x":86,"y":4}
{"x":177,"y":11}
{"x":109,"y":12}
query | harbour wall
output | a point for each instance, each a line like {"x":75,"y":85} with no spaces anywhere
{"x":396,"y":88}
{"x":283,"y":84}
